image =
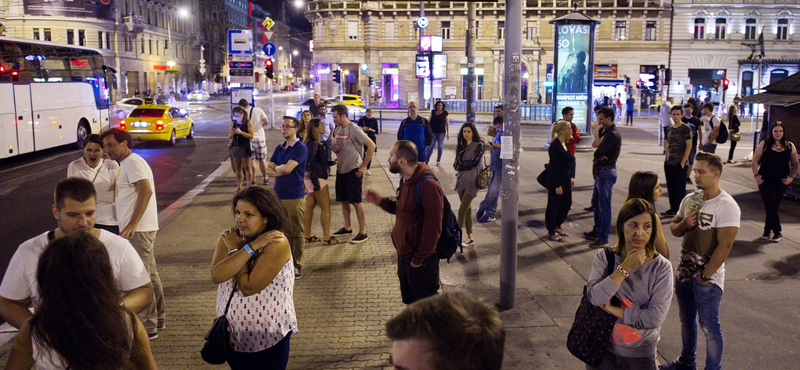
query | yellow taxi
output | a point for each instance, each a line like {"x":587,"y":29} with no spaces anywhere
{"x":151,"y":121}
{"x":347,"y":99}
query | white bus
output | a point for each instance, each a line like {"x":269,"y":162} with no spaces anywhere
{"x":50,"y":95}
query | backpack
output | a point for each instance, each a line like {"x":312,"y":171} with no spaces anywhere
{"x":450,"y":239}
{"x":723,"y":130}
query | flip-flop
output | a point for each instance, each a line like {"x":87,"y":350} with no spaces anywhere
{"x":555,"y":238}
{"x":313,"y":239}
{"x":331,"y":241}
{"x":561,"y":232}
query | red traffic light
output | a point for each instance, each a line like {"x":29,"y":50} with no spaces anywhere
{"x":2,"y":69}
{"x":638,"y":83}
{"x":268,"y":63}
{"x":725,"y":83}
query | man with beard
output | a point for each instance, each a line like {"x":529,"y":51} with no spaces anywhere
{"x":414,"y":237}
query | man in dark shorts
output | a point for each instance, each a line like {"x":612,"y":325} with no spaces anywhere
{"x":348,"y":143}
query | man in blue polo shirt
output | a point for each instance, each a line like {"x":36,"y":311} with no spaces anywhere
{"x":288,"y":167}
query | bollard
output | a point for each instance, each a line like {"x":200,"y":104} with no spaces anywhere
{"x":380,"y":121}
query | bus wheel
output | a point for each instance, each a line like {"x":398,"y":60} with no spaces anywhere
{"x":191,"y":132}
{"x":82,"y":133}
{"x":172,"y":139}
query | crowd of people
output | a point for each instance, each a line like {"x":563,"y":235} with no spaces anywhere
{"x":107,"y":225}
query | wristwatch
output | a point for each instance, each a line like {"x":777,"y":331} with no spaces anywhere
{"x":705,"y":278}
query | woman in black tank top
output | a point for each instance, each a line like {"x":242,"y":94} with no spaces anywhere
{"x":774,"y":167}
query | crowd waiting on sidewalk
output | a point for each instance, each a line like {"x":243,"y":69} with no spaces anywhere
{"x":107,"y":224}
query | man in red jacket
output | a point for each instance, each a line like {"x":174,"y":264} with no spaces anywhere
{"x":415,"y":233}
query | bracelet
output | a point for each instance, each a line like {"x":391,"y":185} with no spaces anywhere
{"x":704,"y":278}
{"x":622,"y":271}
{"x":249,"y":250}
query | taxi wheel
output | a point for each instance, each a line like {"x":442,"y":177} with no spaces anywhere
{"x":191,"y":132}
{"x":172,"y":139}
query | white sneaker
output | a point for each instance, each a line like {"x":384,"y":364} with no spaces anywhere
{"x":368,"y":173}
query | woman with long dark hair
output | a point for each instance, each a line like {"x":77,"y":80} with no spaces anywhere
{"x":81,"y":323}
{"x":774,"y":167}
{"x":253,"y":263}
{"x":559,"y":189}
{"x":316,"y":183}
{"x":638,"y":292}
{"x":645,"y":185}
{"x":241,"y":132}
{"x":305,"y":118}
{"x":468,"y":163}
{"x":733,"y":127}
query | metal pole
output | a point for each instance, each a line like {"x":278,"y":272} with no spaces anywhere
{"x":271,"y":100}
{"x":470,"y":62}
{"x":511,"y":113}
{"x":421,"y":81}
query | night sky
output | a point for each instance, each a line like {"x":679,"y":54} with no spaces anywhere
{"x":294,"y":16}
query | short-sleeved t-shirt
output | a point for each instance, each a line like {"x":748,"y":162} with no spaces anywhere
{"x":132,"y":169}
{"x":350,"y":140}
{"x":699,"y":242}
{"x":103,"y":178}
{"x":257,"y":117}
{"x":708,"y":127}
{"x":676,"y":140}
{"x":290,"y":186}
{"x":20,"y":280}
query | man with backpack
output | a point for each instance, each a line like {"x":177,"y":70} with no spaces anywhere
{"x":416,"y":232}
{"x":711,"y":129}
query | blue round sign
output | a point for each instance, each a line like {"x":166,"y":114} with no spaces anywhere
{"x":422,"y":22}
{"x":269,"y":49}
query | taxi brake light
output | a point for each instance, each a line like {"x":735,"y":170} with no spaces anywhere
{"x":159,"y":125}
{"x":122,"y":125}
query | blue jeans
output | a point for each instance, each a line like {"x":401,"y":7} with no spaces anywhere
{"x":488,"y":206}
{"x":601,"y":201}
{"x":703,"y":301}
{"x":438,"y":138}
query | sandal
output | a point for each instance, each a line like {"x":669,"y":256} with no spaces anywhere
{"x":331,"y":241}
{"x":561,"y":232}
{"x":555,"y":238}
{"x":313,"y":239}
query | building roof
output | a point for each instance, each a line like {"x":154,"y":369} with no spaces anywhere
{"x":785,"y":92}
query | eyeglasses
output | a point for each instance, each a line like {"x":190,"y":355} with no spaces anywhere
{"x":287,"y":126}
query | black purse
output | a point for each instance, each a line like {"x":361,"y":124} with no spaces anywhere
{"x":590,"y":335}
{"x":215,"y":349}
{"x":542,"y":178}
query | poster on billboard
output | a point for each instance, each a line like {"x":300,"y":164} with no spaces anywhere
{"x":100,"y":9}
{"x":423,"y":66}
{"x":440,"y":66}
{"x":572,"y":80}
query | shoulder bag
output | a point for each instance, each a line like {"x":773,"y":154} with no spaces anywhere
{"x":590,"y":335}
{"x":485,"y":176}
{"x":215,"y":349}
{"x":542,"y":178}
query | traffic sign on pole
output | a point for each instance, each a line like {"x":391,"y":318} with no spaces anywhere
{"x":269,"y":49}
{"x":268,"y":23}
{"x":268,"y":35}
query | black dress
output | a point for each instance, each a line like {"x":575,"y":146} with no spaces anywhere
{"x":557,"y":205}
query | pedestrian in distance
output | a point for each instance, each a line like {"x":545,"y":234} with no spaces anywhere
{"x":708,"y":228}
{"x":416,"y":231}
{"x":316,"y":184}
{"x":102,"y":173}
{"x":733,"y":127}
{"x":258,"y":143}
{"x":370,"y":126}
{"x":710,"y":129}
{"x":468,"y":164}
{"x":498,"y":111}
{"x":665,"y":119}
{"x":56,"y":337}
{"x":351,"y":165}
{"x":679,"y":147}
{"x":775,"y":165}
{"x":74,"y":210}
{"x":440,"y":127}
{"x":451,"y":331}
{"x":137,"y":214}
{"x":630,"y":103}
{"x":638,"y":292}
{"x":605,"y":165}
{"x":288,"y":167}
{"x":327,"y":137}
{"x":305,"y":118}
{"x":645,"y":185}
{"x":487,"y":210}
{"x":416,"y":129}
{"x":253,"y":266}
{"x":618,"y":106}
{"x":691,"y":119}
{"x":240,"y":133}
{"x":314,"y":107}
{"x":559,"y":184}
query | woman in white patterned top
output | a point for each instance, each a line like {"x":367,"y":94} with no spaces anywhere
{"x":255,"y":261}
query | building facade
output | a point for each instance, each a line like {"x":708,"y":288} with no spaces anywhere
{"x":379,"y":39}
{"x":715,"y":40}
{"x":153,"y":46}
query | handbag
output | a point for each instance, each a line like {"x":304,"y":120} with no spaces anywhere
{"x":485,"y":176}
{"x":542,"y":178}
{"x":735,"y":136}
{"x":590,"y":335}
{"x":215,"y":349}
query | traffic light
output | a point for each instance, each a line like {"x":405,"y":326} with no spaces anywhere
{"x":268,"y":66}
{"x":638,"y":83}
{"x":725,"y":83}
{"x":371,"y":81}
{"x":337,"y":76}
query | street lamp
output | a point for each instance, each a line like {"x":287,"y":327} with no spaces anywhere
{"x":295,"y":52}
{"x":298,"y":4}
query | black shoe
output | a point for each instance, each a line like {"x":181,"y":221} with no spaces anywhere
{"x":343,"y":231}
{"x":589,"y":235}
{"x":776,"y":237}
{"x":589,"y":209}
{"x":468,"y":243}
{"x":360,"y":238}
{"x":597,"y":244}
{"x":766,"y":236}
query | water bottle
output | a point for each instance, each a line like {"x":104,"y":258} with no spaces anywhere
{"x":697,"y":200}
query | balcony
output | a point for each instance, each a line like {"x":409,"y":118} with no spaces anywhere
{"x":133,"y":23}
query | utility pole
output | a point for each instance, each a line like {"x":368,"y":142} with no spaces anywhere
{"x":470,"y":62}
{"x":511,"y":116}
{"x":421,"y":81}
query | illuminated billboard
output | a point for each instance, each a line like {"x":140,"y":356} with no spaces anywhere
{"x":573,"y":69}
{"x":100,"y":9}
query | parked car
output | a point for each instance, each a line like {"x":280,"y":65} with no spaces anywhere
{"x":122,"y":108}
{"x":198,"y":96}
{"x":160,"y":122}
{"x":288,"y":88}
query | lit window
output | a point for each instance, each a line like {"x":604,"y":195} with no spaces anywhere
{"x":750,"y":28}
{"x":719,"y":30}
{"x":699,"y":28}
{"x":783,"y":29}
{"x":619,"y":30}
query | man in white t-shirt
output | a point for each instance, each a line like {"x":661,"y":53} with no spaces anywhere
{"x":665,"y":119}
{"x":710,"y":129}
{"x":137,"y":215}
{"x":708,"y":229}
{"x":258,"y":144}
{"x":103,"y":175}
{"x":74,"y":209}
